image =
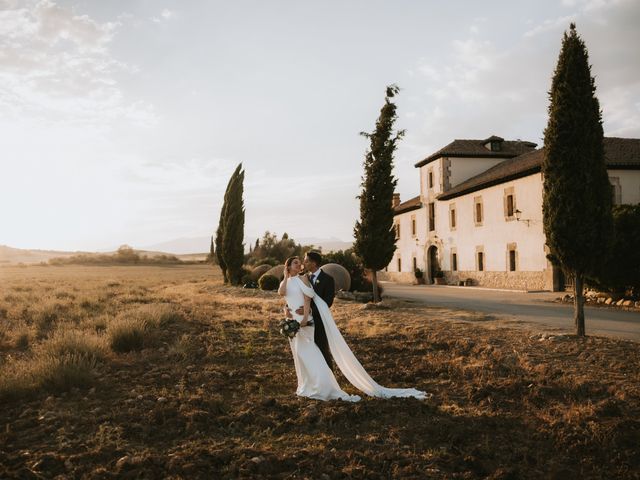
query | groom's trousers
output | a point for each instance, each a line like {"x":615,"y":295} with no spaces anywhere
{"x":325,"y":288}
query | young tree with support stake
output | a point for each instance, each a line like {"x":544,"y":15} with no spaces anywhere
{"x":375,"y":240}
{"x":577,"y":194}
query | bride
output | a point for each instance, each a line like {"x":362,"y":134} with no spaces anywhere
{"x":315,"y":378}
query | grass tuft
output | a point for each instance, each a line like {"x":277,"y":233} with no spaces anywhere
{"x":126,"y":334}
{"x":22,"y":340}
{"x":75,"y":343}
{"x":60,"y":373}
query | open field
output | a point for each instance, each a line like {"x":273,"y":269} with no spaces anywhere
{"x":14,"y":256}
{"x":207,"y":388}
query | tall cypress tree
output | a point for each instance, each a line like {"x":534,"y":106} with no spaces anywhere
{"x":375,"y":239}
{"x":211,"y":258}
{"x":233,"y":228}
{"x":221,"y":223}
{"x":577,"y":194}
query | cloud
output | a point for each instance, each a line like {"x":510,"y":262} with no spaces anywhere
{"x":55,"y":66}
{"x":550,"y":25}
{"x":164,"y":16}
{"x":477,"y":88}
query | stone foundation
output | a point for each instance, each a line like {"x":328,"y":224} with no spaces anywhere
{"x":398,"y":277}
{"x":506,"y":280}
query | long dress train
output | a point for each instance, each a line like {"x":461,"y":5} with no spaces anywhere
{"x":315,"y":378}
{"x":342,"y":354}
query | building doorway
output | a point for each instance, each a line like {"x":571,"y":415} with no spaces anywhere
{"x":434,"y":266}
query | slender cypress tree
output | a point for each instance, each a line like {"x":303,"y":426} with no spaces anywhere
{"x":577,"y":194}
{"x":221,"y":223}
{"x":375,"y":239}
{"x":212,"y":252}
{"x":233,"y":230}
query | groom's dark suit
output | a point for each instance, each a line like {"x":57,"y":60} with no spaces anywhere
{"x":325,"y":288}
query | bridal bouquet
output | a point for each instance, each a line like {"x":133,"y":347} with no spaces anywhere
{"x":288,"y":327}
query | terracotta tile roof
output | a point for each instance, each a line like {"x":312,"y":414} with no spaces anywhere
{"x":622,"y":152}
{"x":412,"y":204}
{"x":619,"y":153}
{"x":476,"y":148}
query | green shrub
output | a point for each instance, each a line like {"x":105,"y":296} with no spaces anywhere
{"x":349,"y":260}
{"x":268,"y":282}
{"x":619,"y":271}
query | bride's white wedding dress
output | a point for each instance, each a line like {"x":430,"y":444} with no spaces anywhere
{"x":315,"y":378}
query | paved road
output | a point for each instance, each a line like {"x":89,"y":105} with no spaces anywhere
{"x":526,"y":307}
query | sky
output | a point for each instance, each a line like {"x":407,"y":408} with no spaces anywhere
{"x":122,"y":120}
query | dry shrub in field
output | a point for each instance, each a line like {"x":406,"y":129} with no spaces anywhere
{"x":126,"y":334}
{"x":65,"y":361}
{"x":75,"y":343}
{"x":46,"y":313}
{"x":14,"y":383}
{"x":22,"y":339}
{"x":63,"y":372}
{"x":184,"y":348}
{"x":90,"y":304}
{"x":63,"y":294}
{"x":158,"y":315}
{"x":99,"y":324}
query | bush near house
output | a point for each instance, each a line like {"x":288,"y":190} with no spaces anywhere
{"x":349,"y":260}
{"x":268,"y":282}
{"x":621,"y":270}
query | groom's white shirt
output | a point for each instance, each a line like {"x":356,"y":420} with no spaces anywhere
{"x":314,"y":276}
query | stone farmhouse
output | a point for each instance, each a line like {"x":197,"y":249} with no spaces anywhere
{"x":478,"y":217}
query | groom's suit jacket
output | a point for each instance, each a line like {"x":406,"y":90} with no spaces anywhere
{"x":325,"y":288}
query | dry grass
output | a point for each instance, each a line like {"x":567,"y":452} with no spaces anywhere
{"x":210,"y":391}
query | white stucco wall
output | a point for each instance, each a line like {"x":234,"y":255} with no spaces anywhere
{"x":629,"y":185}
{"x":495,"y":232}
{"x":533,"y":270}
{"x":426,"y":192}
{"x":408,"y":245}
{"x":461,"y":169}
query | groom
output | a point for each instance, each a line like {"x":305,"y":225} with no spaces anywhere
{"x":325,"y":287}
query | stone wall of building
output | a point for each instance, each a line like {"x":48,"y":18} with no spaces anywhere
{"x":507,"y":280}
{"x":398,"y":277}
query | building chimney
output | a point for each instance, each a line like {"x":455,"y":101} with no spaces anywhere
{"x":396,"y":200}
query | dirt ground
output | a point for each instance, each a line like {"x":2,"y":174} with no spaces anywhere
{"x":212,"y":393}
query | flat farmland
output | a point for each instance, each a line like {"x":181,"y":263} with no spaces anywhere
{"x":164,"y":372}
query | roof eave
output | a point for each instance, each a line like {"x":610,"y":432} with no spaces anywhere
{"x":490,"y":183}
{"x":466,"y":155}
{"x":620,"y":166}
{"x":407,"y":209}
